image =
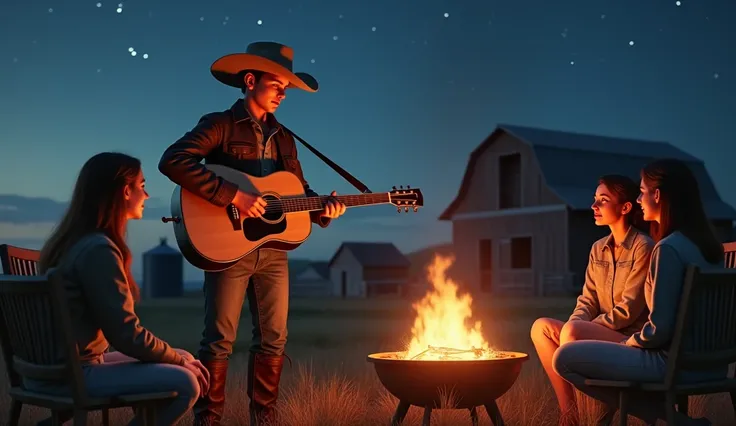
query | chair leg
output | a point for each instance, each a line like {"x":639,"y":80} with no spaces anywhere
{"x":14,"y":416}
{"x":670,"y":400}
{"x":55,"y":419}
{"x":607,"y":417}
{"x":623,"y":408}
{"x":105,"y":417}
{"x":80,"y":418}
{"x":682,"y":403}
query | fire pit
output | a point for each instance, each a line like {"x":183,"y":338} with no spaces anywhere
{"x":446,"y":357}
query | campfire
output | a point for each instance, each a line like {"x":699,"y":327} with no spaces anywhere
{"x":447,"y":354}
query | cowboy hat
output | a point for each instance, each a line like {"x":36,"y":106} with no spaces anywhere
{"x":266,"y":56}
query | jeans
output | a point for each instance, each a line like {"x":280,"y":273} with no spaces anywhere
{"x":264,"y":276}
{"x":578,"y":361}
{"x":119,"y":374}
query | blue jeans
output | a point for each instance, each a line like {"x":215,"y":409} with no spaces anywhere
{"x":578,"y":361}
{"x":264,"y":276}
{"x":119,"y":374}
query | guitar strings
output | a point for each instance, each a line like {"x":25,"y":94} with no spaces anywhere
{"x":315,"y":203}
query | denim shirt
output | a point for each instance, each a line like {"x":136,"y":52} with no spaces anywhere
{"x":613,"y":293}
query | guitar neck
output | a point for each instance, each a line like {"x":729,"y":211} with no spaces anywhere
{"x":308,"y":204}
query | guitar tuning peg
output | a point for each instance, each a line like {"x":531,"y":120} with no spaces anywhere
{"x":401,"y":186}
{"x":398,"y":210}
{"x":416,"y":209}
{"x":406,"y":209}
{"x":394,"y":187}
{"x":408,"y":186}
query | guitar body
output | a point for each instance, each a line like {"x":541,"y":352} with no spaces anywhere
{"x":208,"y":236}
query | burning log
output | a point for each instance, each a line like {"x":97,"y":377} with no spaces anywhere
{"x":444,"y":354}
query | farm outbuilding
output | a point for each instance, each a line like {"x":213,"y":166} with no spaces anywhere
{"x":163,"y":272}
{"x":368,"y":269}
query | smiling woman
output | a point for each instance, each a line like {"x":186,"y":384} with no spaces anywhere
{"x":612,"y":305}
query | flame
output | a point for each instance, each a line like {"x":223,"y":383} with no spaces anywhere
{"x":440,"y":330}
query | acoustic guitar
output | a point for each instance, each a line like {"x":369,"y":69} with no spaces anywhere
{"x":214,"y":238}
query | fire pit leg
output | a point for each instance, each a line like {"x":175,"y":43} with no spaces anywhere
{"x":427,"y":415}
{"x":474,"y":416}
{"x":494,"y":413}
{"x":400,"y":413}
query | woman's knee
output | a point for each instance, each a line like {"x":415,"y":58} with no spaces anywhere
{"x":184,"y":383}
{"x":572,"y":331}
{"x":184,"y":353}
{"x":542,"y":329}
{"x":562,"y":359}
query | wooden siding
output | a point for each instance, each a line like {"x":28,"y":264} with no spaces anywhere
{"x":345,"y":261}
{"x":548,"y":231}
{"x":482,"y":194}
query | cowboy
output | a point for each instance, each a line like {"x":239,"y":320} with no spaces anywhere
{"x":248,"y":138}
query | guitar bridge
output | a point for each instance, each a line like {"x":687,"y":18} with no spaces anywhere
{"x":234,"y":214}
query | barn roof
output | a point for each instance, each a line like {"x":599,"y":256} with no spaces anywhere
{"x":322,"y":268}
{"x":588,"y":157}
{"x":374,"y":254}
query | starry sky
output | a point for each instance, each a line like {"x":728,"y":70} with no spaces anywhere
{"x":407,"y":90}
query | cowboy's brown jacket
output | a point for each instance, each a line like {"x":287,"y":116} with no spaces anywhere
{"x":231,"y":138}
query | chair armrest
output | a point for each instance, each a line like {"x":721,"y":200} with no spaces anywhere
{"x":611,"y":383}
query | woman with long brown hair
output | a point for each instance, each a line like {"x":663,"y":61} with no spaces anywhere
{"x":670,"y":199}
{"x":88,"y":248}
{"x":611,"y":306}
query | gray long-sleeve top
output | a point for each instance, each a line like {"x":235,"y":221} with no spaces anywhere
{"x":102,"y":307}
{"x":613,"y":293}
{"x":664,"y":283}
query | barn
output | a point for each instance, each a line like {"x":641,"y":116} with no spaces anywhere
{"x":521,"y":220}
{"x":312,"y":281}
{"x":368,"y":270}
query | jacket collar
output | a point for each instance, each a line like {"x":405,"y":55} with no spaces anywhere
{"x":241,"y":113}
{"x":628,"y":239}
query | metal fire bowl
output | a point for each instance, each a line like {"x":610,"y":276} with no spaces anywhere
{"x":422,"y":383}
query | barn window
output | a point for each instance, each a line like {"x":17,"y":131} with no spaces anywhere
{"x":485,"y":261}
{"x":509,"y":182}
{"x":516,"y":253}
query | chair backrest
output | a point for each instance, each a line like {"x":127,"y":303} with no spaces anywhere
{"x":705,"y":331}
{"x":18,"y":260}
{"x":36,"y":333}
{"x":729,"y":250}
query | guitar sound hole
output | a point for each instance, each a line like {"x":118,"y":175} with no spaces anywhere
{"x":273,"y":209}
{"x":255,"y":229}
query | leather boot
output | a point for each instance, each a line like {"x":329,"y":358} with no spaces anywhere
{"x":264,"y":374}
{"x":209,"y":408}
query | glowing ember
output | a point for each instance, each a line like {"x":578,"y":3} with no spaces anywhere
{"x":440,"y":331}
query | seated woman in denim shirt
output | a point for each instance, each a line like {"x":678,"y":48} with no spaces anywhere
{"x":670,"y":199}
{"x":88,"y":249}
{"x":612,"y":304}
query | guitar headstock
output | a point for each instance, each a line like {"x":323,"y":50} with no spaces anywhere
{"x":406,"y":198}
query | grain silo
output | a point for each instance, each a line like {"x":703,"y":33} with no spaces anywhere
{"x":163,"y":270}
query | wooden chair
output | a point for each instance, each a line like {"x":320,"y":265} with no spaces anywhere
{"x":35,"y":329}
{"x":18,"y":260}
{"x":730,"y":251}
{"x":704,"y":337}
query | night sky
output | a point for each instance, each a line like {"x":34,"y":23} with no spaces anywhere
{"x":407,"y":90}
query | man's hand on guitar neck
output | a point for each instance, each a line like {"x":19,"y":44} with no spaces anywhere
{"x":250,"y":205}
{"x":334,"y":208}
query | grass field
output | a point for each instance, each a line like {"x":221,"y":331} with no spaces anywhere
{"x":331,"y":383}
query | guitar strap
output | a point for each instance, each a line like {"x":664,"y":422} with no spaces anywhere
{"x":342,"y":172}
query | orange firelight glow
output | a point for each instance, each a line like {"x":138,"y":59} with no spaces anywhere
{"x":441,"y":328}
